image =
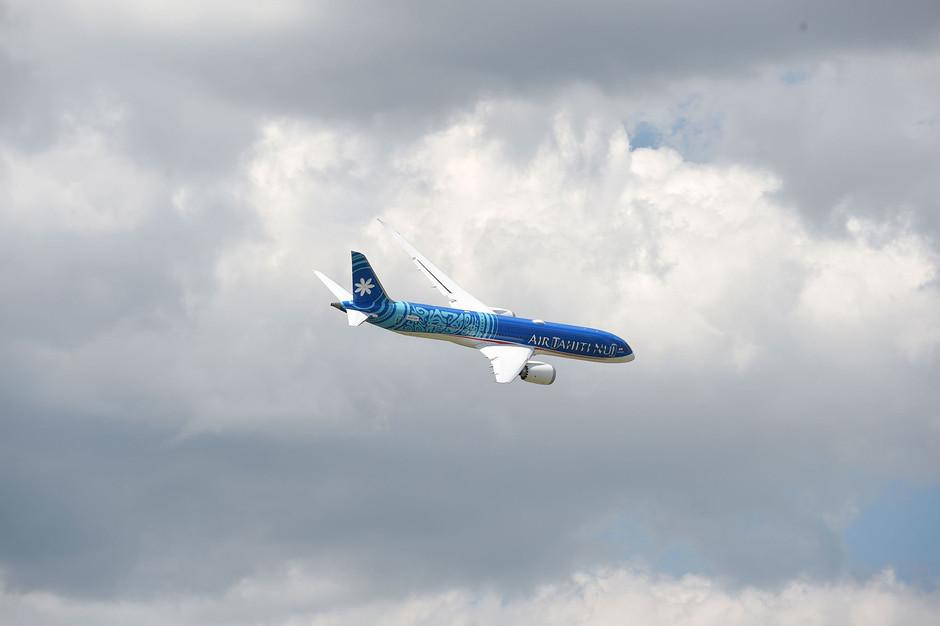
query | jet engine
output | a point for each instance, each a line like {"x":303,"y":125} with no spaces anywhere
{"x":501,"y":311}
{"x":538,"y":372}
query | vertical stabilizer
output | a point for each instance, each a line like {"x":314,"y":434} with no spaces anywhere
{"x":368,"y":292}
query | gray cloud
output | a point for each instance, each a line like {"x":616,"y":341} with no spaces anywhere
{"x":419,"y":60}
{"x":206,"y":418}
{"x":182,"y":410}
{"x":192,"y":87}
{"x":848,"y":135}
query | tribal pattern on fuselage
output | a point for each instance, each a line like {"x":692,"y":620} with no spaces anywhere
{"x":475,"y":327}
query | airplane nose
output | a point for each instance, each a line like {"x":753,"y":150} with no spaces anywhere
{"x":625,"y":351}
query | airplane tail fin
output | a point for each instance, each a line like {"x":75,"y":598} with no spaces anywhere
{"x":354,"y":317}
{"x":368,"y":292}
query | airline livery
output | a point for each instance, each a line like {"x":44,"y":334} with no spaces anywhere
{"x":507,"y":341}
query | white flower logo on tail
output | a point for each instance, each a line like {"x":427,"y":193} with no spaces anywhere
{"x":364,"y":286}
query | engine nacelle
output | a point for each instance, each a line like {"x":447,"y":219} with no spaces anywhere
{"x":502,"y":311}
{"x":538,"y":372}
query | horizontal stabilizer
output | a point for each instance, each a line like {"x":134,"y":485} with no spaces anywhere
{"x":355,"y":317}
{"x":338,"y":291}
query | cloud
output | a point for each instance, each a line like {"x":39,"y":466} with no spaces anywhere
{"x":841,"y":145}
{"x":232,"y":407}
{"x":378,"y":60}
{"x":182,"y":410}
{"x":599,"y":597}
{"x":717,"y":84}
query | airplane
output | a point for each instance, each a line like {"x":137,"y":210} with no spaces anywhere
{"x":508,"y":341}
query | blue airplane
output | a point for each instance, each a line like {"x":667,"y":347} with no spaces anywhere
{"x":506,"y":340}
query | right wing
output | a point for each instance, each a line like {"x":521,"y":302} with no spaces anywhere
{"x":507,"y":361}
{"x":454,"y":293}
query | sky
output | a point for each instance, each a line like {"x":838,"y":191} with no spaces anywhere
{"x":745,"y":191}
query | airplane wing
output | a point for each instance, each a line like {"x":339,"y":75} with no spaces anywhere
{"x":454,"y":293}
{"x":507,"y":361}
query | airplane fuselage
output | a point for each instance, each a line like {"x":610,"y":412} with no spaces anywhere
{"x":475,"y":329}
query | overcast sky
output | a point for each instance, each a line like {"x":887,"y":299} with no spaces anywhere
{"x":745,"y":191}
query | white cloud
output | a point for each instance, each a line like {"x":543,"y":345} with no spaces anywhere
{"x":745,"y":321}
{"x":692,"y":262}
{"x":171,"y":172}
{"x":597,"y":598}
{"x":696,"y":265}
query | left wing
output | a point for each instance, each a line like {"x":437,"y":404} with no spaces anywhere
{"x":455,"y":294}
{"x":507,"y":361}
